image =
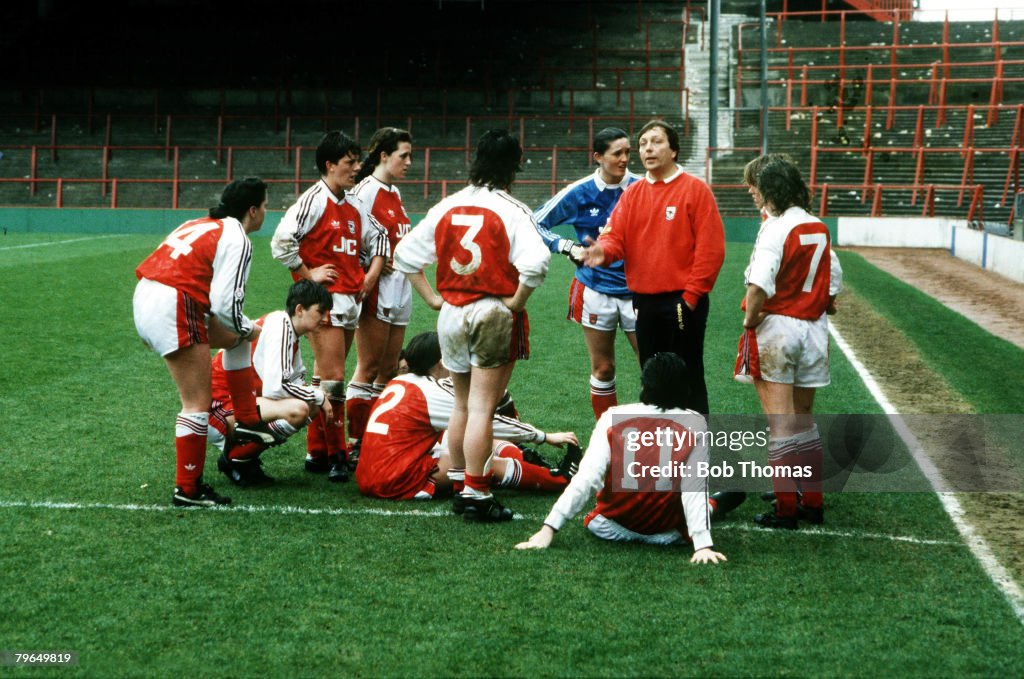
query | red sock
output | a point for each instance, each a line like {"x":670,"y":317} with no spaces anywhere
{"x":316,"y":440}
{"x":509,"y":451}
{"x":785,"y":488}
{"x":602,"y":395}
{"x":190,"y":450}
{"x":358,"y":410}
{"x":240,"y":384}
{"x":481,"y":484}
{"x":534,"y":477}
{"x":810,"y":488}
{"x":335,"y":431}
{"x":246,"y":451}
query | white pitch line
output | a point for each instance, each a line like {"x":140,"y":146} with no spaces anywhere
{"x":61,"y":242}
{"x":252,"y":509}
{"x":417,"y":513}
{"x":974,"y":541}
{"x":812,"y":532}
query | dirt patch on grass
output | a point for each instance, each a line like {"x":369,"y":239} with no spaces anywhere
{"x":915,"y":387}
{"x":994,"y":302}
{"x":908,"y":381}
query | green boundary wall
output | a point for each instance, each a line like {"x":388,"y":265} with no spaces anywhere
{"x":142,"y":221}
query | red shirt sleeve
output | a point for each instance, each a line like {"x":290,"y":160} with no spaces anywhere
{"x":709,"y":248}
{"x":612,"y":238}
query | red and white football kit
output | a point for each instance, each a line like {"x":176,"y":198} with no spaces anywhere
{"x":200,"y":268}
{"x":794,"y":264}
{"x":280,"y":374}
{"x":320,"y":229}
{"x":485,"y":243}
{"x":633,"y":502}
{"x":278,"y":364}
{"x":391,"y":302}
{"x":396,"y":459}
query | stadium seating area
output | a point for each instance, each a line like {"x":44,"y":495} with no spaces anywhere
{"x":886,"y":118}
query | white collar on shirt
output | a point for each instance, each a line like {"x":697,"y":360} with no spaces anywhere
{"x":602,"y":184}
{"x":679,"y":171}
{"x":330,"y":194}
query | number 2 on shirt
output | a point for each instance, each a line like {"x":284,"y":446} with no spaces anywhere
{"x":390,"y":398}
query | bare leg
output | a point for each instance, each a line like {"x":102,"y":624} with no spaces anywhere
{"x":457,"y":422}
{"x":190,"y":368}
{"x":485,"y":390}
{"x":601,"y":347}
{"x":388,"y":367}
{"x":371,"y":344}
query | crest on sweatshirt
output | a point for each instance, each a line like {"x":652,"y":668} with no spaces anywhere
{"x":670,"y":213}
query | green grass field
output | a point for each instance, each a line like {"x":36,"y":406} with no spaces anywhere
{"x":307,"y":578}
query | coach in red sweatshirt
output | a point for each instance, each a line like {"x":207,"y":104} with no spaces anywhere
{"x":669,"y":232}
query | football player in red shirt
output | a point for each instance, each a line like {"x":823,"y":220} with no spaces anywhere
{"x":490,"y":258}
{"x":404,"y":455}
{"x":328,"y":235}
{"x":189,"y":298}
{"x":388,"y":307}
{"x":792,"y":280}
{"x":632,"y":505}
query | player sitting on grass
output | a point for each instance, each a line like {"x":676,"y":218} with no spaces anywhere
{"x":285,"y":402}
{"x":403,"y":454}
{"x":633,"y":506}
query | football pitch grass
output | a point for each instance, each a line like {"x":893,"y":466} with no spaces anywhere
{"x":307,"y":578}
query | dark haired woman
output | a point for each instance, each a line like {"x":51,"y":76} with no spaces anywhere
{"x":636,"y":500}
{"x":387,"y":308}
{"x":490,"y":259}
{"x":791,"y":280}
{"x":190,"y":298}
{"x":599,"y":300}
{"x":326,"y":236}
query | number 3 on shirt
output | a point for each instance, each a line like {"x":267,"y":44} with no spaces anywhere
{"x":475,"y":223}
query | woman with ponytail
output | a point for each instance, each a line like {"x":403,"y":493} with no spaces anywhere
{"x":189,"y":298}
{"x":388,"y":308}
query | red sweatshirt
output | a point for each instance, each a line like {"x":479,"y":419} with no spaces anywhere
{"x":670,"y":235}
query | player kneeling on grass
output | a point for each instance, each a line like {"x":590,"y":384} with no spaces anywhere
{"x":403,"y":454}
{"x":285,"y":402}
{"x":632,"y":504}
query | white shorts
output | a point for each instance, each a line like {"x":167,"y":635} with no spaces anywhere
{"x":786,"y":350}
{"x":599,"y":311}
{"x":606,"y":529}
{"x":345,"y":312}
{"x":484,"y":334}
{"x":166,"y":318}
{"x":393,"y":301}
